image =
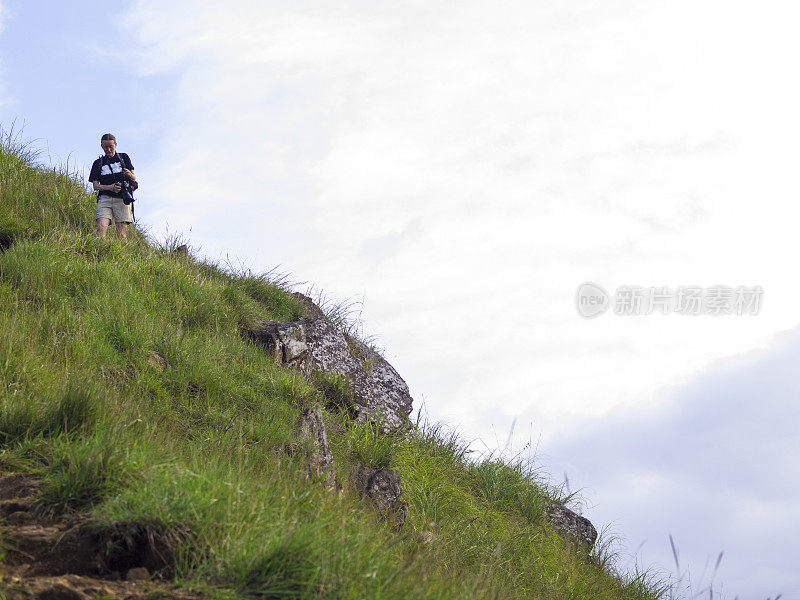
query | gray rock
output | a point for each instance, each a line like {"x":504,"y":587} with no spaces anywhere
{"x":316,"y":346}
{"x":382,"y":488}
{"x":425,"y":537}
{"x":137,"y":574}
{"x":156,"y":361}
{"x":311,"y":430}
{"x":571,"y":525}
{"x":61,"y":591}
{"x":285,"y":342}
{"x":21,"y":517}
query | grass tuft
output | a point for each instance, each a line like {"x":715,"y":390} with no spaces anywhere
{"x":83,"y":474}
{"x":369,"y":446}
{"x":511,"y":485}
{"x":285,"y":571}
{"x":21,"y":418}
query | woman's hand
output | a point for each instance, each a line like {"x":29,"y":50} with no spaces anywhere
{"x":129,"y":174}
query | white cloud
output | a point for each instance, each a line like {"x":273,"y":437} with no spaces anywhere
{"x":509,"y":155}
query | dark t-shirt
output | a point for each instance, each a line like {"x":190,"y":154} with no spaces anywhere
{"x":108,"y":171}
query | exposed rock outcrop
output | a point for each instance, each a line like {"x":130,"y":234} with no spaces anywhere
{"x":382,"y":488}
{"x":311,"y":431}
{"x":571,"y":525}
{"x":314,"y":345}
{"x":285,"y":342}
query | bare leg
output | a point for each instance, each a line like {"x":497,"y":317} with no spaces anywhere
{"x":102,"y":226}
{"x":121,"y":230}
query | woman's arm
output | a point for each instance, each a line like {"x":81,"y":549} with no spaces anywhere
{"x":99,"y":187}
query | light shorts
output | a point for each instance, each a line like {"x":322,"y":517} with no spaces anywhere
{"x":109,"y":206}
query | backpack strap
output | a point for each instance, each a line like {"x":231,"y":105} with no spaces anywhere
{"x":101,"y":159}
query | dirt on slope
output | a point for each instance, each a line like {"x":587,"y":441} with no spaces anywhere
{"x":65,"y":558}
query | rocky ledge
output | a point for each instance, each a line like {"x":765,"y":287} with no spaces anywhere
{"x":313,"y":345}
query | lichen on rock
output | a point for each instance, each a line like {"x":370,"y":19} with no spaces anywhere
{"x":311,"y":430}
{"x":314,"y":345}
{"x":571,"y":525}
{"x":382,"y":488}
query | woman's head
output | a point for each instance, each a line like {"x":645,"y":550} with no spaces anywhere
{"x":109,"y":144}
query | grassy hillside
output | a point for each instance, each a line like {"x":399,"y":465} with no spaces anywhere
{"x":127,"y":387}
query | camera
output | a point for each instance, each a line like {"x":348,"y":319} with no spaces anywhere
{"x":125,"y":191}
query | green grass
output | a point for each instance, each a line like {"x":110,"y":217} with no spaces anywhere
{"x":68,"y":411}
{"x":367,"y":445}
{"x":127,"y":385}
{"x":84,"y":473}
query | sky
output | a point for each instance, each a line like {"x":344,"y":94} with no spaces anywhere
{"x":457,"y":171}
